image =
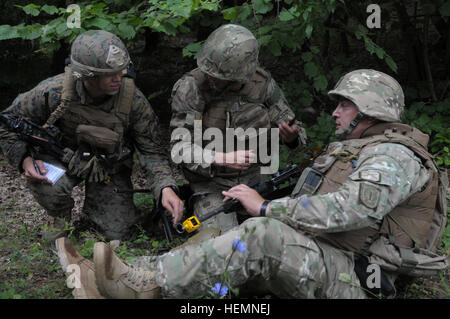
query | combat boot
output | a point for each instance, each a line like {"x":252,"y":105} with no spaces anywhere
{"x":80,"y":271}
{"x":119,"y":280}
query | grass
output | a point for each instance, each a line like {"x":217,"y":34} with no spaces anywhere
{"x":30,"y":269}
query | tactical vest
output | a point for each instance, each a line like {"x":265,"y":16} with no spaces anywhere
{"x":117,"y":120}
{"x":417,"y":222}
{"x":244,"y":109}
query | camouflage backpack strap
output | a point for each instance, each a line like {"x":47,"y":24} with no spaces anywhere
{"x":124,"y":102}
{"x":277,"y":92}
{"x":68,"y":94}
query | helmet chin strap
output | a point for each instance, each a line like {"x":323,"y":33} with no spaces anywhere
{"x":342,"y":134}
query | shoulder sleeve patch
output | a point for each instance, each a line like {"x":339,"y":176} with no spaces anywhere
{"x":369,"y":195}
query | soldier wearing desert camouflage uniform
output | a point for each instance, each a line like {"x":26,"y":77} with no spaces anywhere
{"x":101,"y":115}
{"x":374,"y":197}
{"x":228,"y":90}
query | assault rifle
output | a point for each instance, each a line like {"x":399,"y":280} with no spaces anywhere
{"x":47,"y":139}
{"x":270,"y":189}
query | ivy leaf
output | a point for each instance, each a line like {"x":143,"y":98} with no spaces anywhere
{"x":192,"y":49}
{"x":61,"y":28}
{"x":8,"y":32}
{"x":308,"y":31}
{"x":392,"y":65}
{"x":183,"y":10}
{"x":30,"y":32}
{"x":275,"y":48}
{"x":260,"y":6}
{"x":49,"y":9}
{"x":126,"y":31}
{"x":310,"y":69}
{"x":307,"y":56}
{"x":31,"y":9}
{"x":244,"y":12}
{"x":230,"y":13}
{"x":320,"y":83}
{"x":265,"y":39}
{"x":285,"y":15}
{"x":379,"y":52}
{"x":100,"y":23}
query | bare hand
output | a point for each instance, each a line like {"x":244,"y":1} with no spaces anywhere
{"x":289,"y":133}
{"x":249,"y":198}
{"x":30,"y":171}
{"x":237,"y":160}
{"x":173,"y":204}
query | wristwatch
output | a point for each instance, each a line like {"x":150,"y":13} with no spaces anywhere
{"x":262,"y":210}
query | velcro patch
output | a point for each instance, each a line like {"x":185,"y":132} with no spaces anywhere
{"x":372,"y":176}
{"x":369,"y":195}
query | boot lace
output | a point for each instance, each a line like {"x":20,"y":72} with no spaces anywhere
{"x":140,"y":277}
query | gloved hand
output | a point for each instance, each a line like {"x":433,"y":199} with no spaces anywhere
{"x":91,"y":170}
{"x":75,"y":164}
{"x":98,"y":172}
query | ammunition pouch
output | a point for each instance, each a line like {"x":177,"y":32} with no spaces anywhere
{"x":414,"y":261}
{"x":100,"y":138}
{"x":97,"y":155}
{"x":308,"y":183}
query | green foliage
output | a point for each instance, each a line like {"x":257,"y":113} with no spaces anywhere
{"x":322,"y":132}
{"x":143,"y":201}
{"x":126,"y":21}
{"x":433,"y":119}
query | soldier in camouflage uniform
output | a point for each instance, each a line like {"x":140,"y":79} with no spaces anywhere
{"x":376,"y":197}
{"x":104,"y":119}
{"x":227,"y":90}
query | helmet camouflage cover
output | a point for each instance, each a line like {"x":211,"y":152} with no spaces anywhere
{"x":375,"y":93}
{"x":229,"y":53}
{"x":98,"y":52}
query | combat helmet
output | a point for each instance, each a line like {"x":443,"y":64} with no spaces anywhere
{"x":98,"y":52}
{"x":229,"y":53}
{"x":375,"y":93}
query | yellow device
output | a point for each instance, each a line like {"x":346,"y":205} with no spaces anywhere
{"x":191,"y":224}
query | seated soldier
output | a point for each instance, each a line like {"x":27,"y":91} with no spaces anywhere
{"x":378,"y":198}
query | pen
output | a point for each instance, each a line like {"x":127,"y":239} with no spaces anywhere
{"x":33,"y":155}
{"x":35,"y":166}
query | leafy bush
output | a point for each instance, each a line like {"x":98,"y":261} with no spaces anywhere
{"x":433,"y":119}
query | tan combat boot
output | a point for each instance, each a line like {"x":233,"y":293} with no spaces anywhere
{"x":80,"y":271}
{"x":116,"y":279}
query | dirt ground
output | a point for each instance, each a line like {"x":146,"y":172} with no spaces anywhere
{"x":29,"y":269}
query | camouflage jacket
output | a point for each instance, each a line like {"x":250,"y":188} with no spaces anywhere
{"x":142,"y":133}
{"x":360,"y":193}
{"x":192,"y":98}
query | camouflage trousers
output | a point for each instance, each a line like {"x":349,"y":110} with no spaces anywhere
{"x":205,"y":203}
{"x":114,"y":213}
{"x":275,"y":259}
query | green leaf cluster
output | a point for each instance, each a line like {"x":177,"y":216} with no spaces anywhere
{"x":433,"y":119}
